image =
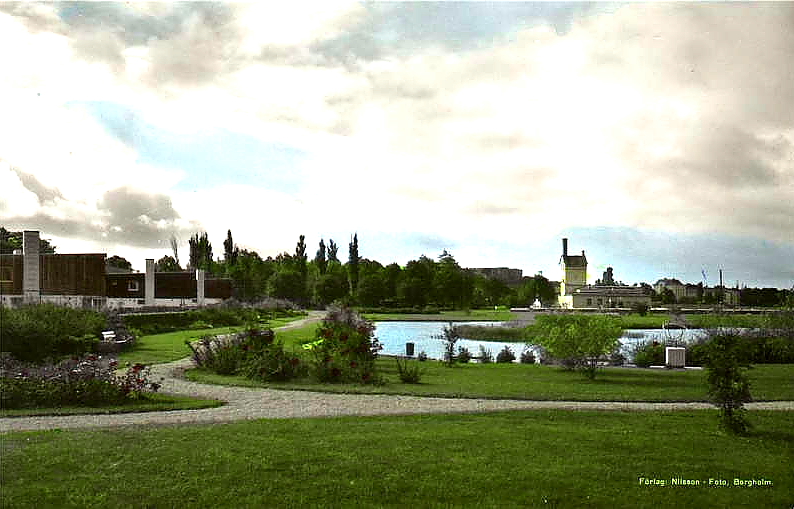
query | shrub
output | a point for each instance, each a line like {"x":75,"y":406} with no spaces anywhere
{"x":506,"y":355}
{"x":345,"y":348}
{"x":35,"y":333}
{"x":648,"y":353}
{"x":409,"y":373}
{"x":527,"y":357}
{"x":729,"y":387}
{"x":486,"y":356}
{"x":449,"y":336}
{"x":464,"y":355}
{"x":273,"y":364}
{"x":422,"y":356}
{"x":578,"y":340}
{"x":641,"y":308}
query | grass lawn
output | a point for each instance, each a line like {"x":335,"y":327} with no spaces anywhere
{"x":534,"y":382}
{"x":516,"y":459}
{"x":152,"y":403}
{"x":170,"y":346}
{"x":474,"y":315}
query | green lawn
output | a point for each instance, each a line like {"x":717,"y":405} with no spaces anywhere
{"x":534,"y":382}
{"x":152,"y":403}
{"x":516,"y":459}
{"x":170,"y":346}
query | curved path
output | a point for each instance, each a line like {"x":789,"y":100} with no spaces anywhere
{"x":256,"y":403}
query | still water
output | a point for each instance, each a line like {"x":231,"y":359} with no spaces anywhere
{"x":394,"y":335}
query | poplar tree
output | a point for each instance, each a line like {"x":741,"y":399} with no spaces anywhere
{"x":352,"y":264}
{"x":320,"y":259}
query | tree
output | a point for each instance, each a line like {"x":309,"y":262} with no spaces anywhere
{"x":229,"y":249}
{"x":118,"y":262}
{"x":352,"y":264}
{"x":250,"y":275}
{"x":332,"y":285}
{"x":167,"y":264}
{"x":579,"y":340}
{"x":332,"y":250}
{"x":286,"y":283}
{"x":729,"y":387}
{"x":320,"y":259}
{"x":10,"y":241}
{"x":200,"y":251}
{"x":416,"y":284}
{"x":174,"y":248}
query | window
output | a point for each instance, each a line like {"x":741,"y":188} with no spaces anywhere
{"x":132,"y":286}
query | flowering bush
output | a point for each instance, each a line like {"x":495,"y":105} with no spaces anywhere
{"x":86,"y":381}
{"x":345,"y":348}
{"x":254,"y":353}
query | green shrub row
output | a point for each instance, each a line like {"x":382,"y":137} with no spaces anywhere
{"x":34,"y":333}
{"x":158,"y":323}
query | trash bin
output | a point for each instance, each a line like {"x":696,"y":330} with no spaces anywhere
{"x":409,"y":349}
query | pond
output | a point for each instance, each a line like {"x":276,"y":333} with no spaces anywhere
{"x":394,"y":335}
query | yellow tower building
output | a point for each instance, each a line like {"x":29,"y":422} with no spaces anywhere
{"x":574,"y":275}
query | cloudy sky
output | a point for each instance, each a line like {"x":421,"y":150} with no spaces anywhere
{"x":659,"y":138}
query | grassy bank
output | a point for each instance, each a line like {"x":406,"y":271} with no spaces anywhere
{"x":517,"y":459}
{"x":152,"y":403}
{"x":474,"y":315}
{"x":170,"y":346}
{"x":535,"y":382}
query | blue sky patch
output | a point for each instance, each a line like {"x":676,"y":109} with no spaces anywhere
{"x":210,"y":157}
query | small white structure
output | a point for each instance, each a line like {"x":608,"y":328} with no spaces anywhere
{"x":537,"y":304}
{"x":674,"y":356}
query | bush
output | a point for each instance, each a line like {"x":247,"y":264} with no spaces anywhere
{"x":729,"y":387}
{"x":87,"y":381}
{"x":409,"y":373}
{"x":579,"y":341}
{"x":449,"y":336}
{"x":35,"y":333}
{"x":641,"y":308}
{"x":345,"y":348}
{"x":486,"y":356}
{"x":273,"y":364}
{"x":648,"y":353}
{"x":422,"y":356}
{"x":506,"y":355}
{"x":464,"y":355}
{"x":527,"y":357}
{"x":253,"y":353}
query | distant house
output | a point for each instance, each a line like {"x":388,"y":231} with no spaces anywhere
{"x":576,"y":293}
{"x":82,"y":280}
{"x":574,"y":275}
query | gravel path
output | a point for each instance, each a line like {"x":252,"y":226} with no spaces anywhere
{"x":250,"y":403}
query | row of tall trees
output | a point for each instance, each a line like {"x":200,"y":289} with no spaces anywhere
{"x":325,"y":278}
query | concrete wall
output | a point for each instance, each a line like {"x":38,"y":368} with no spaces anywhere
{"x":31,"y":266}
{"x":149,"y":283}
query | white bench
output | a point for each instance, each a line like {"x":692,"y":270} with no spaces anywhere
{"x":108,"y":335}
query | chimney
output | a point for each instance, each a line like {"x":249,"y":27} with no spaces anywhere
{"x":565,"y":247}
{"x":148,"y":286}
{"x":31,"y":267}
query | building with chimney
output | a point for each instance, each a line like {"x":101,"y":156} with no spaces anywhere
{"x":574,"y":275}
{"x":575,"y":293}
